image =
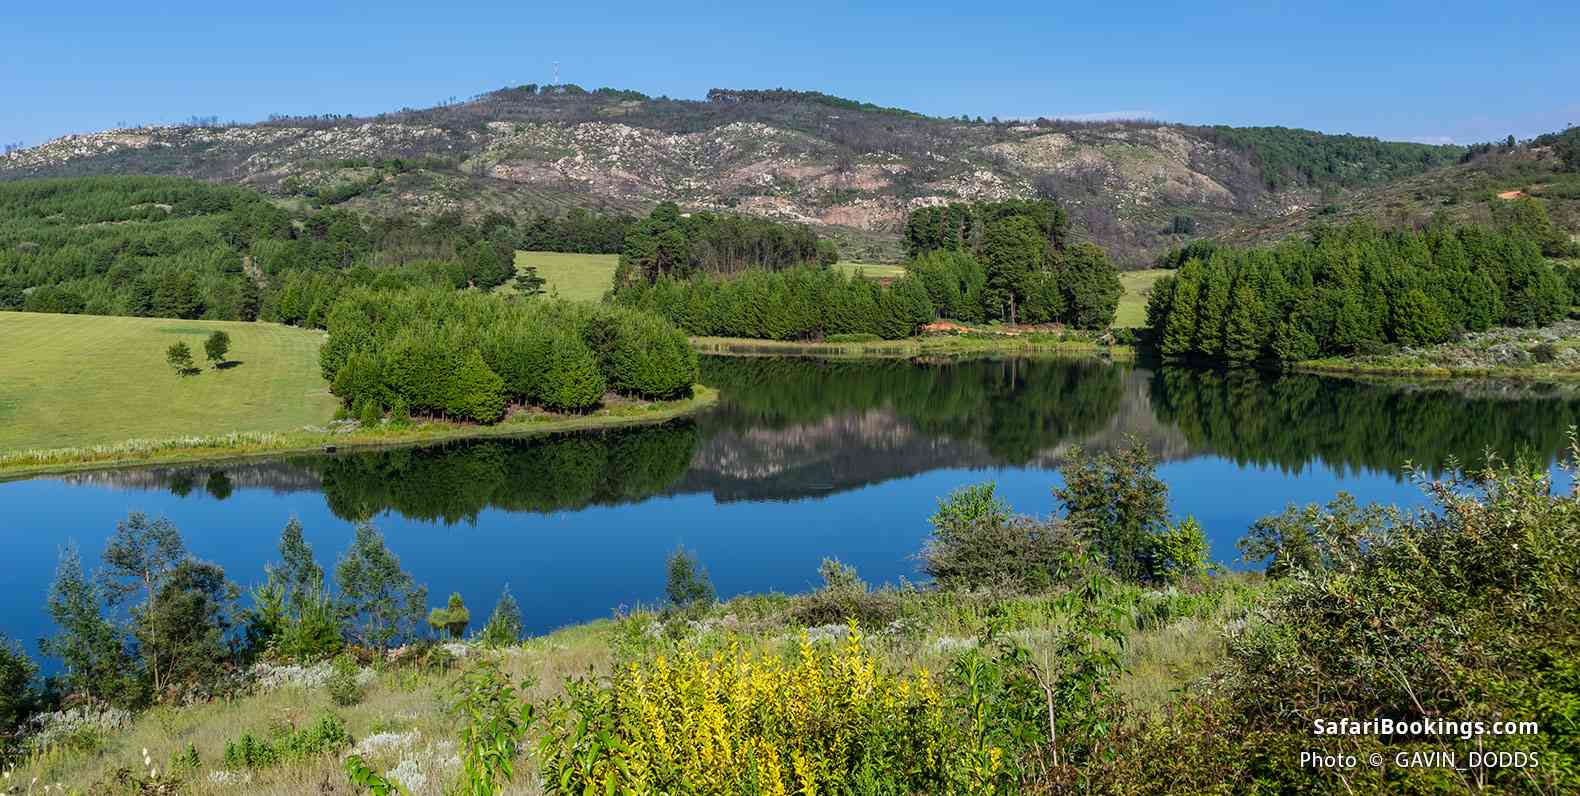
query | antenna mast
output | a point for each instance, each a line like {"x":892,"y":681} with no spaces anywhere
{"x":556,"y":73}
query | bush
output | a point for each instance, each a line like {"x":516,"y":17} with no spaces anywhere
{"x":687,"y":585}
{"x":504,"y":625}
{"x":370,"y":416}
{"x":344,"y":689}
{"x":845,"y":597}
{"x":286,"y":744}
{"x":976,"y":543}
{"x":832,"y":720}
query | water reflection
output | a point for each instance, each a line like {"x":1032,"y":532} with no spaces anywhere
{"x":787,"y":429}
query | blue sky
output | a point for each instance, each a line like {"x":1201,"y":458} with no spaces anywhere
{"x":1407,"y":70}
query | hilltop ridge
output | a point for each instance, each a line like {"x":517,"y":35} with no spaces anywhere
{"x":1136,"y":187}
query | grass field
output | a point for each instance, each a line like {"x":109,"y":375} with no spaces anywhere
{"x":578,"y":277}
{"x":871,"y":270}
{"x":1133,"y":304}
{"x":70,"y":380}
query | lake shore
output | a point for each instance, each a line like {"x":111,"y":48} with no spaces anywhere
{"x":929,"y":345}
{"x":246,"y":445}
{"x":1407,"y":367}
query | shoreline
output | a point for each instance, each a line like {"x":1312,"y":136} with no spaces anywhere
{"x":913,"y":347}
{"x":1344,"y":367}
{"x":240,"y":446}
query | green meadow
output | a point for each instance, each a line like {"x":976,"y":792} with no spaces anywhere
{"x":72,"y":380}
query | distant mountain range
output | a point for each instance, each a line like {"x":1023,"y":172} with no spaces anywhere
{"x":854,"y":169}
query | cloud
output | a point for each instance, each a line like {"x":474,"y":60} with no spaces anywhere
{"x":1439,"y":140}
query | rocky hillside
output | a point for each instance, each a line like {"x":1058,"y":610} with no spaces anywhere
{"x":855,"y":169}
{"x":1471,"y":192}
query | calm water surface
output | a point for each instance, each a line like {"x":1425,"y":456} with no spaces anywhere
{"x":800,"y":460}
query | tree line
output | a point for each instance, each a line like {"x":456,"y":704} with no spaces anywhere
{"x":672,"y":244}
{"x":471,"y":356}
{"x":1009,"y":261}
{"x":1353,"y":289}
{"x":1014,"y":261}
{"x":178,"y":248}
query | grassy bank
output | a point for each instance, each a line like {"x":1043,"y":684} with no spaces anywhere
{"x":87,"y":380}
{"x":401,"y":724}
{"x":1404,"y":366}
{"x":929,"y":345}
{"x":239,"y":445}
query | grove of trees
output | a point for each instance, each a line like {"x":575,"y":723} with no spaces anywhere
{"x":672,"y":244}
{"x":469,"y":355}
{"x":1354,"y":289}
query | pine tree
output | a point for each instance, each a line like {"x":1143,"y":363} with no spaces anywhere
{"x":1179,"y":330}
{"x":1242,"y":334}
{"x":504,"y":625}
{"x":1212,"y":309}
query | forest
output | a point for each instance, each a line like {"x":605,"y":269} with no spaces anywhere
{"x":1356,"y":289}
{"x":178,"y":248}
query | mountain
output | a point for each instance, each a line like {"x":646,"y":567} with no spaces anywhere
{"x":855,"y":169}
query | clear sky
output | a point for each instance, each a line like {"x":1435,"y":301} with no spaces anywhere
{"x":1426,"y":71}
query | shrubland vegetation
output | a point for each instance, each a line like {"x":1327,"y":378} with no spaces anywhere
{"x":1356,"y":289}
{"x":1095,"y":650}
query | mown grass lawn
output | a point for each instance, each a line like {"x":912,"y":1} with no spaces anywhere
{"x":1133,"y":303}
{"x":68,"y":380}
{"x":578,"y":277}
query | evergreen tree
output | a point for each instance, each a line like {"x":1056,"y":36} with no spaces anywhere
{"x":1179,"y":329}
{"x":1212,"y":309}
{"x":1091,"y":287}
{"x":1012,"y":249}
{"x":451,"y":619}
{"x":1242,"y":334}
{"x":1417,"y":319}
{"x":504,"y":625}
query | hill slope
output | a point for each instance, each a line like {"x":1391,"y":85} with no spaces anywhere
{"x":1465,"y":193}
{"x":1135,"y":187}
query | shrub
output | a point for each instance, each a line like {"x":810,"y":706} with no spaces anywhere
{"x":687,"y":585}
{"x":976,"y":543}
{"x":504,"y":625}
{"x":830,"y":720}
{"x":1179,"y":552}
{"x":344,"y":690}
{"x":179,"y":357}
{"x":452,"y":619}
{"x":845,"y":597}
{"x":370,"y":416}
{"x":216,"y":347}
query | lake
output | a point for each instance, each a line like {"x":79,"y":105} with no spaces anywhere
{"x":801,"y":459}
